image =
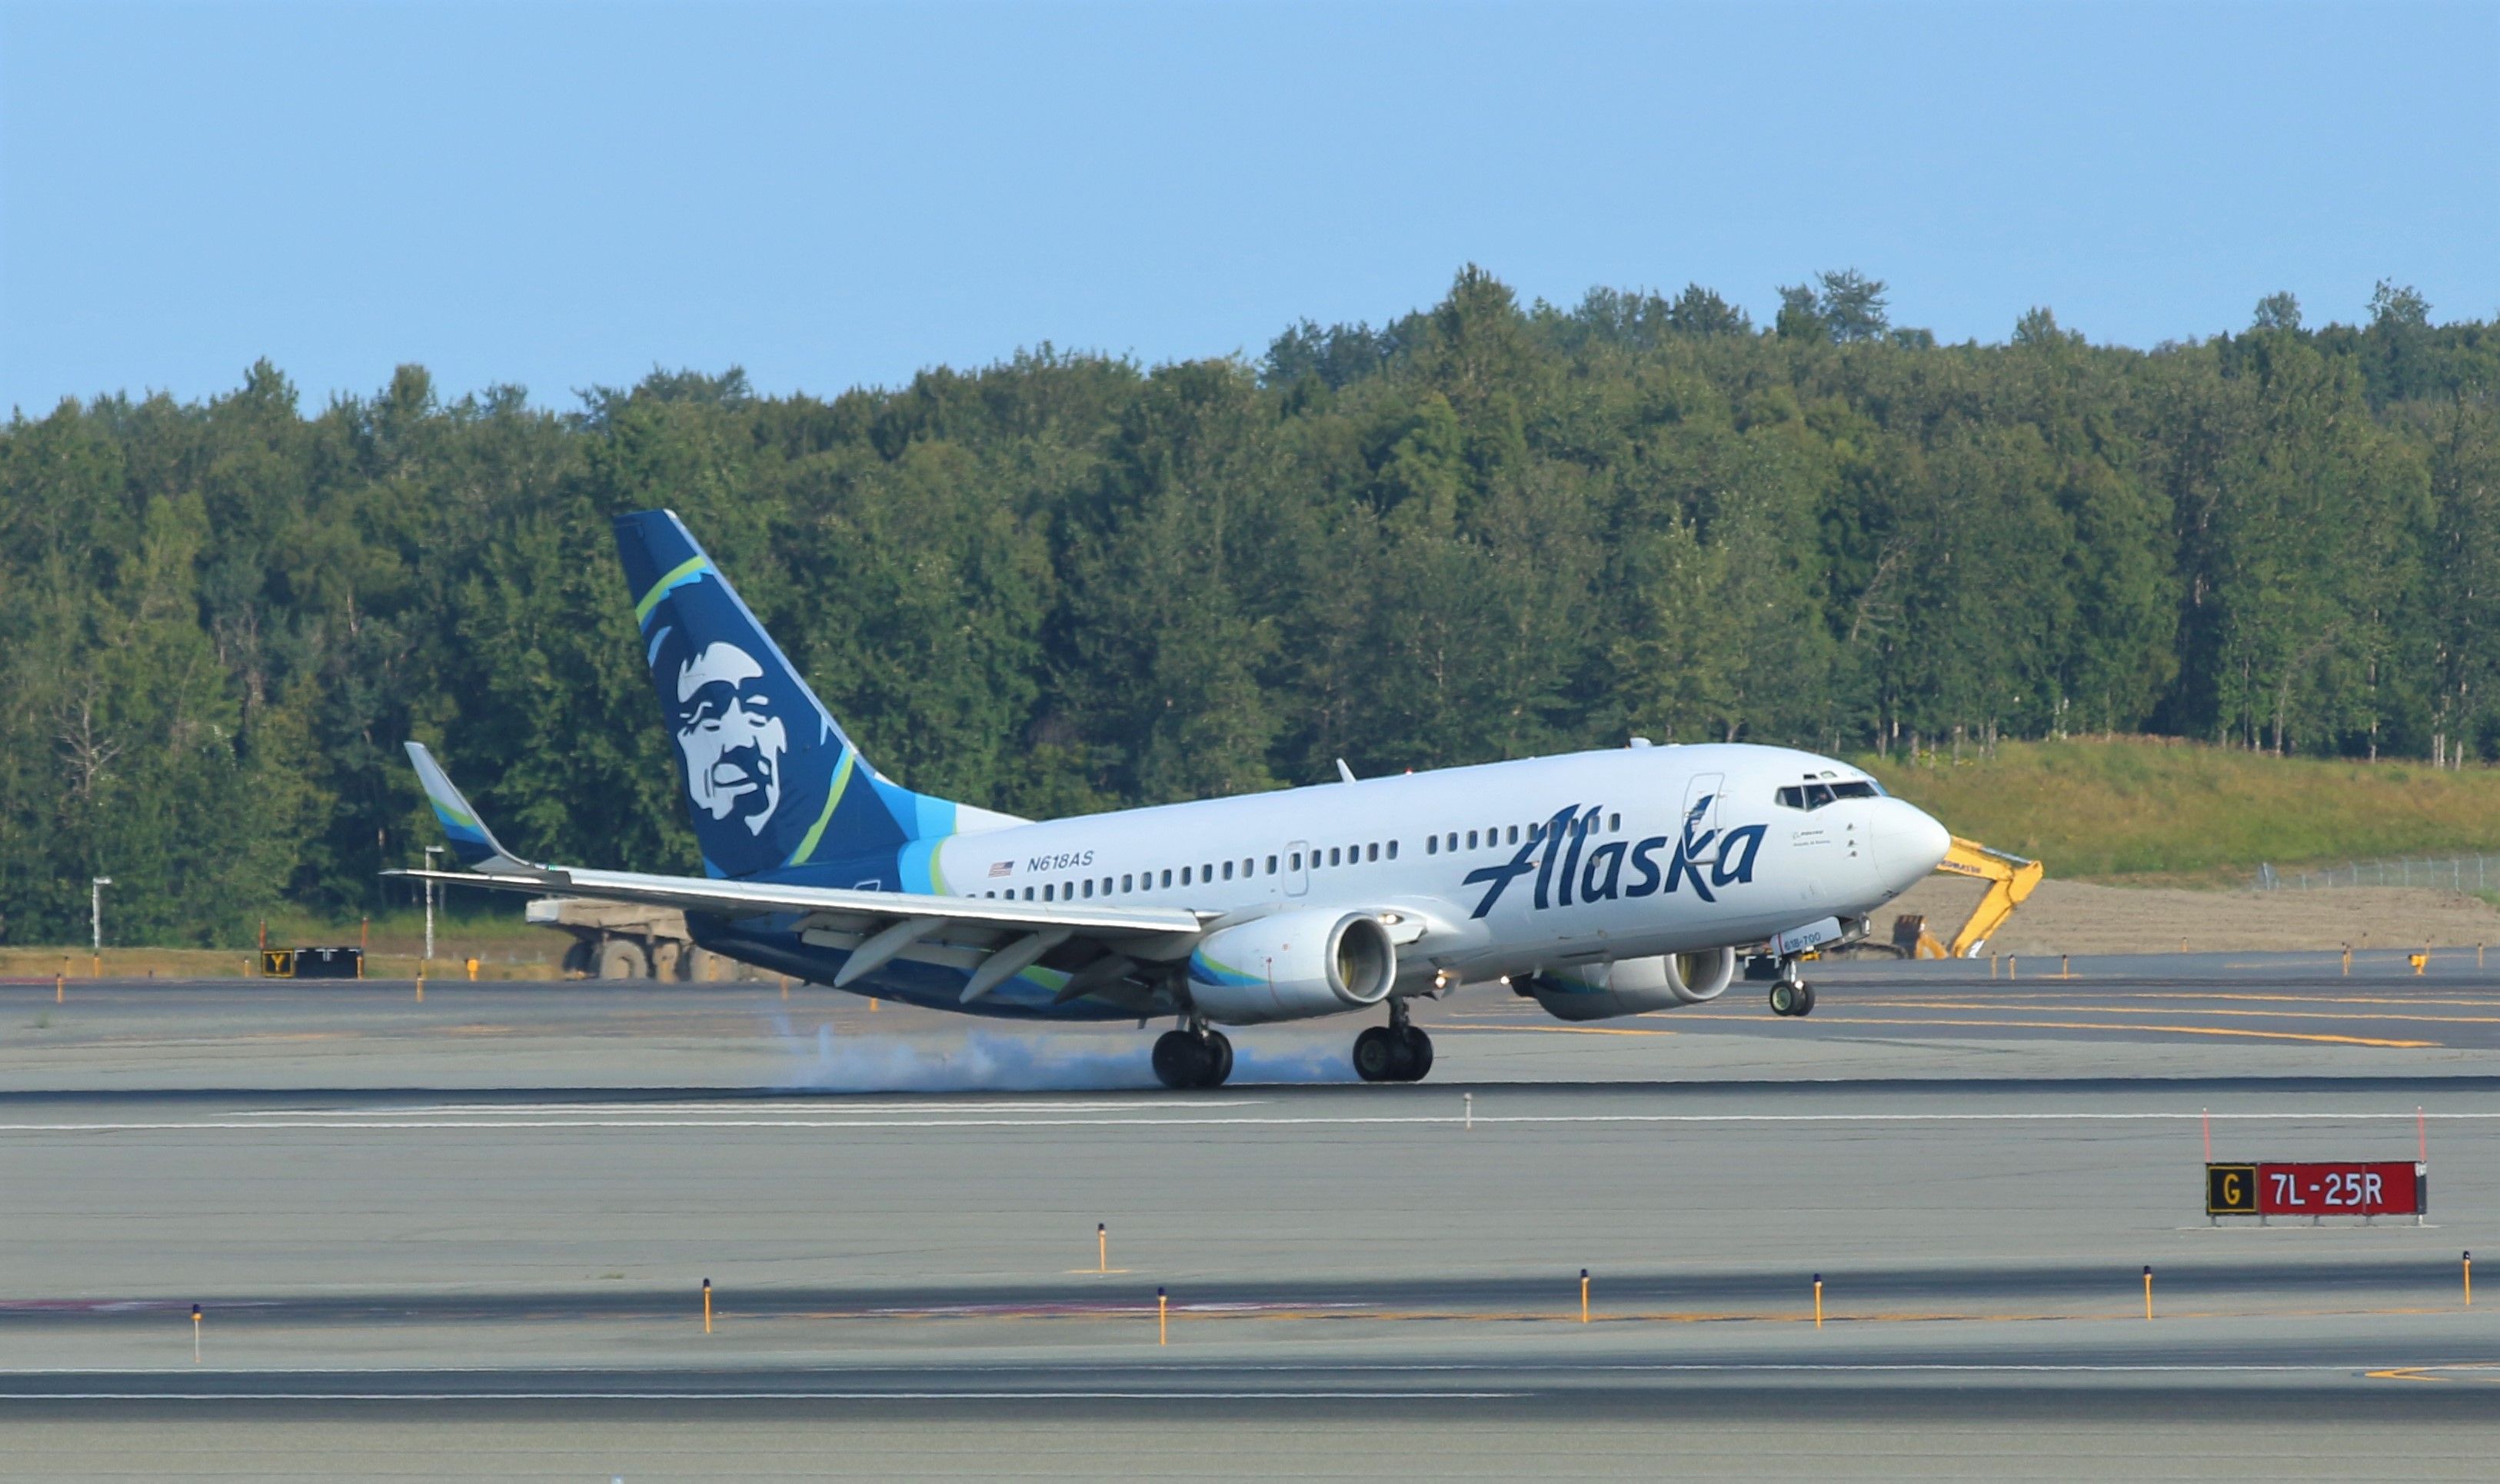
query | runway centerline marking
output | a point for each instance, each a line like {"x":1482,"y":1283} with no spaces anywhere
{"x":821,"y":1106}
{"x":466,"y":1124}
{"x":1557,"y":1029}
{"x":795,"y":1393}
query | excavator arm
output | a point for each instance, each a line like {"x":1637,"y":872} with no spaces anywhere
{"x":2010,"y":879}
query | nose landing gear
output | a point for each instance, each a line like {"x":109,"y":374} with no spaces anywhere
{"x":1397,"y":1052}
{"x":1792,"y":995}
{"x":1198,"y":1057}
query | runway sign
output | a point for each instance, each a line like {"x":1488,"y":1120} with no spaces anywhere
{"x":277,"y":963}
{"x":329,"y":963}
{"x":2334,"y":1188}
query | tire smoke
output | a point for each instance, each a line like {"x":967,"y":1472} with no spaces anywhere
{"x":993,"y":1061}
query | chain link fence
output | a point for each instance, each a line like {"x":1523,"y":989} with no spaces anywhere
{"x":2455,"y":873}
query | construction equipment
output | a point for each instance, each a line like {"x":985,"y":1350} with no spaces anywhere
{"x":628,"y":941}
{"x":2010,"y":879}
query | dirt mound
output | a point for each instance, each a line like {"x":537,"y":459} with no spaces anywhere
{"x":2076,"y":917}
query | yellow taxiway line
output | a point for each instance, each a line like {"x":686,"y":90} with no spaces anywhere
{"x":2173,"y":1029}
{"x":2119,"y":1009}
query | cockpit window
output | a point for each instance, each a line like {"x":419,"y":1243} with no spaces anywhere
{"x":1814,"y":796}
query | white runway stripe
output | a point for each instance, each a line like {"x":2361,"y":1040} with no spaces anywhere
{"x":419,"y":1121}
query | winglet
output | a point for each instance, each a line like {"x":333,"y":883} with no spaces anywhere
{"x":470,"y":840}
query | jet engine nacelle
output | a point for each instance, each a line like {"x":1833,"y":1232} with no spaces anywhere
{"x":1293,"y":966}
{"x":1634,"y":986}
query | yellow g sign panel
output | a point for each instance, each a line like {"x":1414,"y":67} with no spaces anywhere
{"x":277,"y":963}
{"x":2230,"y":1190}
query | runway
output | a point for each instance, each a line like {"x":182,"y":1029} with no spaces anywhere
{"x":498,"y":1209}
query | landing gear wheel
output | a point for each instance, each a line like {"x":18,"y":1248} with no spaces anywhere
{"x":1376,"y":1056}
{"x":1415,"y":1056}
{"x":1172,"y":1059}
{"x":1805,"y":999}
{"x":1785,"y":997}
{"x":1183,"y":1060}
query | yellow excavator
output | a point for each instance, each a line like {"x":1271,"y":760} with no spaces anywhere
{"x":2010,"y":879}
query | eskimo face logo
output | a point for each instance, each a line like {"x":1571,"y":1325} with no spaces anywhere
{"x":730,"y":732}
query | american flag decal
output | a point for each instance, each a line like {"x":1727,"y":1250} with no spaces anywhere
{"x":1001,"y":868}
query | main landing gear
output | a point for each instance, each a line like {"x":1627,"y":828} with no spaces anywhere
{"x":1792,"y":996}
{"x":1198,"y":1057}
{"x":1396,"y":1052}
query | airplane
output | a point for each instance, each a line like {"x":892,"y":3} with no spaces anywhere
{"x":1597,"y":884}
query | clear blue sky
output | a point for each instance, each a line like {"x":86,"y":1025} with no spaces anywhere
{"x":563,"y":195}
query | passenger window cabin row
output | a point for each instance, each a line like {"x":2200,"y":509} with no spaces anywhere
{"x":1203,"y":874}
{"x":1335,"y":856}
{"x":1511,"y":834}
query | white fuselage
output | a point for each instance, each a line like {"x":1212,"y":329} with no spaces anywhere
{"x":1663,"y":849}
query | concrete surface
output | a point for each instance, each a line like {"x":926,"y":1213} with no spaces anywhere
{"x":466,"y":1238}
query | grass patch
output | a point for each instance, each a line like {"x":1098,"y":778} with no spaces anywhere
{"x":2149,"y":809}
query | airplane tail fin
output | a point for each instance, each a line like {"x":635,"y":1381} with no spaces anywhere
{"x":770,"y":780}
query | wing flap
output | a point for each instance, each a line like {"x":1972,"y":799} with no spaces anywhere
{"x":829,"y":907}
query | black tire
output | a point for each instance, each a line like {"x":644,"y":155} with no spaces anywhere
{"x":1175,"y":1066}
{"x":1415,"y":1056}
{"x":1221,"y":1069}
{"x":1783,"y":998}
{"x":1805,"y":999}
{"x":1376,"y":1056}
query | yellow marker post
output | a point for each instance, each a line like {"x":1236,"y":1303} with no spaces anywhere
{"x":472,"y":969}
{"x":1818,"y":1301}
{"x":706,"y":1305}
{"x":871,"y":1006}
{"x":420,"y":981}
{"x":2063,"y":960}
{"x":1162,"y":1317}
{"x":1991,"y":965}
{"x":2148,"y":1290}
{"x":195,"y":1333}
{"x":1584,"y":1295}
{"x":1102,"y":1247}
{"x":2469,"y":1280}
{"x":95,"y":967}
{"x":2011,"y":966}
{"x":2420,"y":960}
{"x":2348,"y":961}
{"x":62,"y":984}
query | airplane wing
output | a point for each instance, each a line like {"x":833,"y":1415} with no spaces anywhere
{"x":991,"y":939}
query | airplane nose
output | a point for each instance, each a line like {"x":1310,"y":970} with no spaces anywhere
{"x":1910,"y":844}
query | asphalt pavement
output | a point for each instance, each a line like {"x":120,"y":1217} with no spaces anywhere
{"x":471,"y":1236}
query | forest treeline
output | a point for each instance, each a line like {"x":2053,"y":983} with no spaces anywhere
{"x":1068,"y":582}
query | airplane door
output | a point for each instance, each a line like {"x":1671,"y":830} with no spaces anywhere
{"x":1297,"y":878}
{"x":1701,"y":794}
